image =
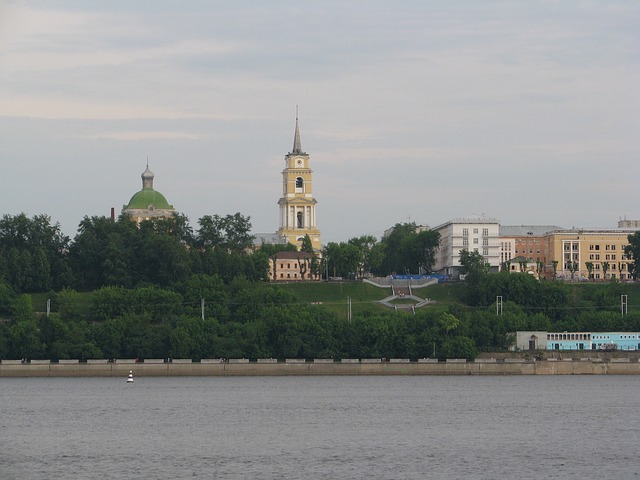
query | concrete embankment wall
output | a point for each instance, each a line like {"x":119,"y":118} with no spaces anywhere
{"x":356,"y":367}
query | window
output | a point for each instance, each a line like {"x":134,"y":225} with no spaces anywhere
{"x":475,"y":241}
{"x":485,"y":241}
{"x":597,"y":256}
{"x":475,"y":231}
{"x":485,"y":232}
{"x":300,"y":220}
{"x":485,"y":251}
{"x":465,"y":242}
{"x":465,"y":232}
{"x":299,"y":185}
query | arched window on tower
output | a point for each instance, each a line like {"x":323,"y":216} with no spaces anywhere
{"x":300,"y":218}
{"x":299,"y":185}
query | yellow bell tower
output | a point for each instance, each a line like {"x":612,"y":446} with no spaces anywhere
{"x":297,"y":205}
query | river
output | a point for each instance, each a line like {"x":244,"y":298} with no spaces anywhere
{"x":389,"y":427}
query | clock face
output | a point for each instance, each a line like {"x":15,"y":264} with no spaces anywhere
{"x":299,"y":162}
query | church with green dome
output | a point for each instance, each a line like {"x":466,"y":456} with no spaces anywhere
{"x":148,"y":203}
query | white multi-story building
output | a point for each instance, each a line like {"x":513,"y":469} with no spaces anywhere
{"x":476,"y":233}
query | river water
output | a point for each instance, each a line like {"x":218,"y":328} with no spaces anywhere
{"x":390,"y":427}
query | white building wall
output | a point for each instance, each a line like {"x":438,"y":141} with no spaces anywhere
{"x":476,"y":233}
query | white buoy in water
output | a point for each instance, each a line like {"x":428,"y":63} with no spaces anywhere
{"x":130,"y":378}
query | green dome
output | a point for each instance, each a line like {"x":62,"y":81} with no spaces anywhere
{"x":146,"y":197}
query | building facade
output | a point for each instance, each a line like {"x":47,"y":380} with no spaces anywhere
{"x":596,"y":254}
{"x":297,"y":204}
{"x":621,"y":341}
{"x":148,"y":203}
{"x":291,"y":267}
{"x":476,"y":234}
{"x":527,"y":241}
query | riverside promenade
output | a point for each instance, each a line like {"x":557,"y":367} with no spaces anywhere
{"x":272,"y":367}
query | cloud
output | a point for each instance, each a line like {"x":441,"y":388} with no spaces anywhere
{"x":142,"y":135}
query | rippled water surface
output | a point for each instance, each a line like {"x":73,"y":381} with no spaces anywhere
{"x":320,"y":427}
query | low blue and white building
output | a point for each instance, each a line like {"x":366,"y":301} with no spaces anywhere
{"x":622,"y":341}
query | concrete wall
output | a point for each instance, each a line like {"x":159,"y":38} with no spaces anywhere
{"x":551,"y":367}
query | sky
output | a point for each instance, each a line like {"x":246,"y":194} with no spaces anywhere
{"x":411,"y":111}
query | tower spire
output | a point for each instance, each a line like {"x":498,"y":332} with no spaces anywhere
{"x":297,"y":148}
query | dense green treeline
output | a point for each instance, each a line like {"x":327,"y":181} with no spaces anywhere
{"x":245,"y":319}
{"x":122,"y":291}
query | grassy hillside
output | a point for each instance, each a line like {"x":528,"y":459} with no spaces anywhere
{"x":366,"y":297}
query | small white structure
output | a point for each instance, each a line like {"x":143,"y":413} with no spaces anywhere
{"x":130,"y":377}
{"x":536,"y":340}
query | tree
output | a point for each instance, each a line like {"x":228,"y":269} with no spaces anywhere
{"x":33,"y":253}
{"x":312,"y":264}
{"x":103,"y":252}
{"x":342,"y":258}
{"x":369,"y":256}
{"x":539,"y":269}
{"x":554,"y":263}
{"x":605,"y":269}
{"x":398,"y":244}
{"x":589,"y":266}
{"x":422,"y":247}
{"x":473,"y":265}
{"x":632,"y":251}
{"x":231,"y":232}
{"x":573,"y":267}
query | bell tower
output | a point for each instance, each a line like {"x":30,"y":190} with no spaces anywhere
{"x":297,"y":205}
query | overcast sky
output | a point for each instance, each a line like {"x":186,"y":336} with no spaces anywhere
{"x":424,"y":111}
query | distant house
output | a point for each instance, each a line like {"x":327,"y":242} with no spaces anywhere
{"x":291,"y":267}
{"x":522,"y":264}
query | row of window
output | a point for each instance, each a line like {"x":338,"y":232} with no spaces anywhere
{"x":606,"y":247}
{"x":569,"y":336}
{"x":295,"y":265}
{"x":620,"y":337}
{"x":596,"y":256}
{"x":465,"y":232}
{"x":524,"y":242}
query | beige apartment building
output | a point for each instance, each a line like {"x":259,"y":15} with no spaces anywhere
{"x":602,"y":248}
